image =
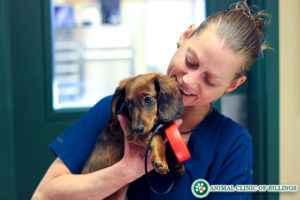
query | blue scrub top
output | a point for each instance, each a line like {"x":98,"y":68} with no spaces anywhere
{"x":221,"y":153}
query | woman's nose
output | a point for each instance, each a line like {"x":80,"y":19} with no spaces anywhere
{"x":189,"y":80}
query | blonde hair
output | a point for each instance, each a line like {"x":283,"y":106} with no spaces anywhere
{"x":241,"y":30}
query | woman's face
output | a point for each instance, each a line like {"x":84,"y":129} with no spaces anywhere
{"x":204,"y":68}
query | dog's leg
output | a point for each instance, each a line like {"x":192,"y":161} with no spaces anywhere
{"x":158,"y":155}
{"x":175,"y":166}
{"x":157,"y":146}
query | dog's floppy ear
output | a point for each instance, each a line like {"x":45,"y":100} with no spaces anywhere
{"x":169,"y":100}
{"x":119,"y":97}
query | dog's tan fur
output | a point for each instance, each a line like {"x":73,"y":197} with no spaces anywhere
{"x":165,"y":106}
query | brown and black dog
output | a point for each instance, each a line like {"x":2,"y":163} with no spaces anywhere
{"x":146,"y":100}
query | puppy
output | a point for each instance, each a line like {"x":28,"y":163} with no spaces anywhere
{"x":146,"y":100}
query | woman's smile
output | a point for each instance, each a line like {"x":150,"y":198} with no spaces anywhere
{"x":184,"y":91}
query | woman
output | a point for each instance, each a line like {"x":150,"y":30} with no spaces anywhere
{"x":210,"y":61}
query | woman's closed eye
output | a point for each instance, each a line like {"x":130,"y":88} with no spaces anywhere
{"x":191,"y":63}
{"x":208,"y":80}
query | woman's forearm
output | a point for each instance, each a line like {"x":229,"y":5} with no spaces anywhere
{"x":96,"y":185}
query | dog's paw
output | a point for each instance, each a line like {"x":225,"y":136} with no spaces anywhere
{"x":160,"y":167}
{"x":178,"y":169}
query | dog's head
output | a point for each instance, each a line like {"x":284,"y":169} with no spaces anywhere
{"x":146,"y":99}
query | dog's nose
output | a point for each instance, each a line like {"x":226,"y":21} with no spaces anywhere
{"x":139,"y":129}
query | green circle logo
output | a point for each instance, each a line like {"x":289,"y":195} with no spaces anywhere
{"x":200,"y":188}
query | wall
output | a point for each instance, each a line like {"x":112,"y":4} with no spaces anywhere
{"x":289,"y":43}
{"x":7,"y":167}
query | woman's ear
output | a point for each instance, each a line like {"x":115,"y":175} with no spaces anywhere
{"x":236,"y":83}
{"x":185,"y":35}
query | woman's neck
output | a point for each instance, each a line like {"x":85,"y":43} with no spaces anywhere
{"x":193,"y":115}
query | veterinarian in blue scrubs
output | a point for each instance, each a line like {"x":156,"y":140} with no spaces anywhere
{"x":211,"y":60}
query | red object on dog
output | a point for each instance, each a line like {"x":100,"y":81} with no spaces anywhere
{"x":177,"y":143}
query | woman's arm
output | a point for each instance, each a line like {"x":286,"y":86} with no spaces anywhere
{"x":60,"y":183}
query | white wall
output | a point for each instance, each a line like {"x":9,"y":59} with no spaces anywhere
{"x":289,"y":61}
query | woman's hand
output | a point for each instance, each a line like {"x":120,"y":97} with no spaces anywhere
{"x":134,"y":155}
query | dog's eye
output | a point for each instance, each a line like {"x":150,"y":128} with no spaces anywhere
{"x":148,"y":99}
{"x":129,"y":105}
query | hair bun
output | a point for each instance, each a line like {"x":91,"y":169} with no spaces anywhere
{"x":257,"y":18}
